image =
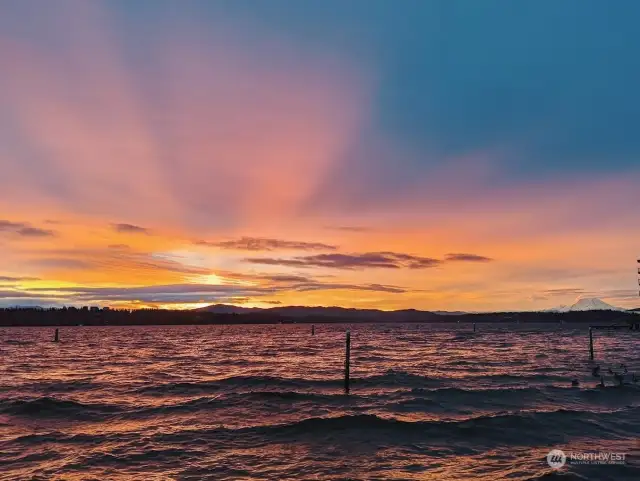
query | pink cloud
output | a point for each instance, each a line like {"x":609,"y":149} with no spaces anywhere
{"x":213,"y":130}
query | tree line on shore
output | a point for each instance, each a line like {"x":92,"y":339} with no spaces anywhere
{"x":94,"y":316}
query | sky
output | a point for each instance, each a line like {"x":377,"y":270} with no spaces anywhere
{"x":427,"y":154}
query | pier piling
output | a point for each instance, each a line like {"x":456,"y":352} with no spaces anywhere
{"x":313,"y":330}
{"x":474,"y":327}
{"x":56,"y":337}
{"x":347,"y":362}
{"x":591,"y":344}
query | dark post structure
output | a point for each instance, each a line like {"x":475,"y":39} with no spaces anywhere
{"x":313,"y":330}
{"x":474,"y":327}
{"x":56,"y":338}
{"x":635,"y":325}
{"x":591,"y":344}
{"x":347,"y":362}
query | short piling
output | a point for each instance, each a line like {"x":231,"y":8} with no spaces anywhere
{"x":474,"y":327}
{"x":591,"y":344}
{"x":313,"y":330}
{"x":56,"y":337}
{"x":347,"y":362}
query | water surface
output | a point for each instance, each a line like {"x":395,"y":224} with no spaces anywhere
{"x":267,"y":403}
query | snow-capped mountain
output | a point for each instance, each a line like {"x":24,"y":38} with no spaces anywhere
{"x":594,"y":304}
{"x":586,"y":304}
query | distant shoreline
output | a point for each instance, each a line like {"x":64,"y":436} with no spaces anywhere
{"x":110,"y":317}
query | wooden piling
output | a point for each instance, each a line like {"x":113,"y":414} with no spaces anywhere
{"x":347,"y":362}
{"x":56,"y":337}
{"x":313,"y":330}
{"x":474,"y":327}
{"x":590,"y":344}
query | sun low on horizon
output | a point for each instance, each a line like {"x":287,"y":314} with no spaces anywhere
{"x":384,"y":155}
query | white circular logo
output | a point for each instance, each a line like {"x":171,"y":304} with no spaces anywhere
{"x":556,"y":458}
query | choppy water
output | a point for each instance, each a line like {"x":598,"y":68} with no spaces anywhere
{"x":267,"y":403}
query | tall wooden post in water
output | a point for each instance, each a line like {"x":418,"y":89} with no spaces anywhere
{"x":347,"y":362}
{"x":591,"y":344}
{"x":313,"y":330}
{"x":56,"y":337}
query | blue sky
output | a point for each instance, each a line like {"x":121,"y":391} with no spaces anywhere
{"x":554,"y":81}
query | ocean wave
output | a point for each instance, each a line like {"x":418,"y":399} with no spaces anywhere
{"x":496,"y":398}
{"x":47,"y":407}
{"x":417,"y":404}
{"x":297,"y":396}
{"x":414,"y":400}
{"x":179,"y":388}
{"x":521,"y":378}
{"x":482,"y":397}
{"x":229,"y":401}
{"x":55,"y":437}
{"x":234,"y":381}
{"x":64,"y":386}
{"x":390,"y":378}
{"x":402,"y":378}
{"x":397,"y":378}
{"x":233,"y":400}
{"x":516,"y":429}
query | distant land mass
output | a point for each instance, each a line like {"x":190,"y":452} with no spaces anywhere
{"x":405,"y":315}
{"x":591,"y":311}
{"x":373,"y":315}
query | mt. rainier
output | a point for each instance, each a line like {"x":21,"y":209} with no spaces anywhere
{"x":587,"y":304}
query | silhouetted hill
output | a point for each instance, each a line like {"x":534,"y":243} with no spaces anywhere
{"x":304,"y":312}
{"x":228,"y":309}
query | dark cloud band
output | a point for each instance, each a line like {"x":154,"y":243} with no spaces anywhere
{"x":266,"y":244}
{"x":24,"y":229}
{"x":381,"y":260}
